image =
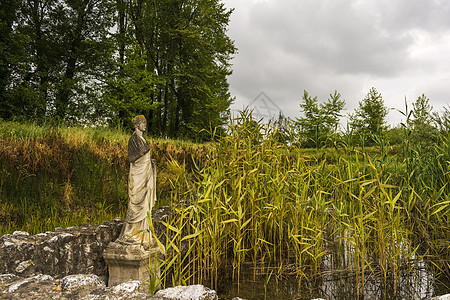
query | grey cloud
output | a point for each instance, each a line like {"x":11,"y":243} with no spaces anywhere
{"x":432,"y":15}
{"x":438,"y":93}
{"x":336,"y":35}
{"x":286,"y":46}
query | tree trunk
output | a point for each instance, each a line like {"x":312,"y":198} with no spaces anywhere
{"x":64,"y":93}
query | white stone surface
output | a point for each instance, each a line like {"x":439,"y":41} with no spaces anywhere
{"x":65,"y":234}
{"x":74,"y":281}
{"x":192,"y":292}
{"x":53,"y":240}
{"x":443,"y":297}
{"x":127,"y":287}
{"x":16,"y":233}
{"x":9,"y":244}
{"x":4,"y":277}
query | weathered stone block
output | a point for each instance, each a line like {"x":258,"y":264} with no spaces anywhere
{"x":131,"y":262}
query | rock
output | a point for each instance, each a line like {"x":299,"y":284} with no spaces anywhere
{"x":16,"y":233}
{"x":27,"y":281}
{"x":132,"y":289}
{"x":24,"y":266}
{"x":128,"y":287}
{"x":86,"y":287}
{"x":76,"y":281}
{"x":62,"y":253}
{"x":197,"y":292}
{"x":6,"y":277}
{"x":443,"y":297}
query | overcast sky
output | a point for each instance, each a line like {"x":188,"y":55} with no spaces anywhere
{"x":400,"y":47}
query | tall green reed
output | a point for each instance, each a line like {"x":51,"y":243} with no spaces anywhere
{"x":262,"y":202}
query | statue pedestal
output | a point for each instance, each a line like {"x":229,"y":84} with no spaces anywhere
{"x":131,"y":262}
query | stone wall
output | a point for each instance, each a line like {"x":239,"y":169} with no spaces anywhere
{"x":74,"y":250}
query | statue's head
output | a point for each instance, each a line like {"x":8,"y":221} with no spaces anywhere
{"x":138,"y":120}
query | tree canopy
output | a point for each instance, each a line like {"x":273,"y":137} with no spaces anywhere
{"x":91,"y":61}
{"x":320,"y":120}
{"x":369,"y":119}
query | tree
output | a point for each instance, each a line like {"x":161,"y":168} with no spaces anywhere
{"x":131,"y":88}
{"x":19,"y":96}
{"x":421,"y":113}
{"x":320,"y":121}
{"x":65,"y":48}
{"x":185,"y":50}
{"x":369,"y":119}
{"x":423,"y":133}
{"x":79,"y":61}
{"x":84,"y":29}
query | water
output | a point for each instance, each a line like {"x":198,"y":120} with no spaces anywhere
{"x":338,"y":280}
{"x":418,"y":284}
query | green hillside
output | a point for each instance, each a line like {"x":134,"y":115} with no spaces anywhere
{"x":55,"y":177}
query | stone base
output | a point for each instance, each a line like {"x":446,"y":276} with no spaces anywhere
{"x":131,"y":262}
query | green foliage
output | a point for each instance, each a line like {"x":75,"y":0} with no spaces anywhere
{"x":369,"y":119}
{"x":16,"y":97}
{"x":64,"y":61}
{"x":131,"y":91}
{"x":58,"y":53}
{"x":442,"y":120}
{"x":320,"y":121}
{"x":284,"y":129}
{"x":423,"y":133}
{"x":395,"y":135}
{"x":181,"y":47}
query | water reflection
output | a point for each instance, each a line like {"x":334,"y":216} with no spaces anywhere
{"x":418,"y":283}
{"x":407,"y":276}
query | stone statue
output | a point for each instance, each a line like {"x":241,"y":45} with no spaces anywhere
{"x":127,"y":257}
{"x":141,"y":188}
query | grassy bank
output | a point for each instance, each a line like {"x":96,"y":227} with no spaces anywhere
{"x":58,"y":177}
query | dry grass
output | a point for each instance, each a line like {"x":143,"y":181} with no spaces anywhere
{"x":74,"y":175}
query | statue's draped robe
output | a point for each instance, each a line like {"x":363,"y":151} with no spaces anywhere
{"x":141,"y":191}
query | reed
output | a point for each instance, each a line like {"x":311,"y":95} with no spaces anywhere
{"x":274,"y":205}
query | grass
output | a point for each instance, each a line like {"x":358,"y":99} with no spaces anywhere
{"x":59,"y":177}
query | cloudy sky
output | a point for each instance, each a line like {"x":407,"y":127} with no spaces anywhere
{"x":400,"y":47}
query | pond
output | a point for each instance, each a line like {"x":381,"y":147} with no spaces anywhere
{"x":337,"y":279}
{"x":420,"y":283}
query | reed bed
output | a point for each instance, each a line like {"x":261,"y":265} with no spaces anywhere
{"x":260,"y":202}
